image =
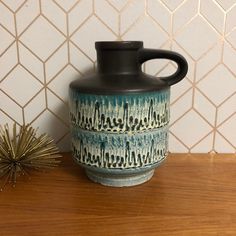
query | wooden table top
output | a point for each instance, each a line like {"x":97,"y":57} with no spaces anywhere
{"x":188,"y":195}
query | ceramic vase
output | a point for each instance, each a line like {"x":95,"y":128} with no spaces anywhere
{"x":119,"y":115}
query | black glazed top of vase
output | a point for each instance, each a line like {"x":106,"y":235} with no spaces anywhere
{"x":118,"y":45}
{"x":119,"y":69}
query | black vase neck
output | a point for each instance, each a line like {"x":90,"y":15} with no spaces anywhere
{"x":120,"y":57}
{"x":119,"y":69}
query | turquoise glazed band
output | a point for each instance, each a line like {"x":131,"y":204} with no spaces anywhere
{"x":119,"y":151}
{"x":120,"y":139}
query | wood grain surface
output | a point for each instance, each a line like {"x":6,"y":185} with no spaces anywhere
{"x":188,"y":195}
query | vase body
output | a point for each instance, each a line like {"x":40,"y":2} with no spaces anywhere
{"x":119,"y":116}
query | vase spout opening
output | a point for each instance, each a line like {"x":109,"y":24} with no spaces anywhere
{"x":118,"y":45}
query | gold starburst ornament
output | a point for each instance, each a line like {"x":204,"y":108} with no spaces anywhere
{"x":23,"y":151}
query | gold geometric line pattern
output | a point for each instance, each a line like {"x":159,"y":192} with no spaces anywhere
{"x":17,"y":103}
{"x":157,"y":23}
{"x":56,"y":3}
{"x":228,"y":118}
{"x":179,"y":118}
{"x":7,"y":30}
{"x":180,"y":141}
{"x":108,"y":27}
{"x":206,"y":52}
{"x":225,"y":138}
{"x":7,"y":48}
{"x":112,"y":6}
{"x":133,"y":24}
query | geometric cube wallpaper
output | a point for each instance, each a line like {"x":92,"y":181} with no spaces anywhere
{"x":46,"y":44}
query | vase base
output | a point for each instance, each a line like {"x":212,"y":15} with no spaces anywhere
{"x":121,"y":180}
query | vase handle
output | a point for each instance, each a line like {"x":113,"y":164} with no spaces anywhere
{"x":148,"y":54}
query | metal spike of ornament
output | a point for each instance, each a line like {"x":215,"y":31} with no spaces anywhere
{"x":22,"y":152}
